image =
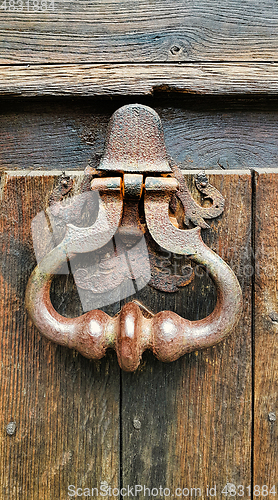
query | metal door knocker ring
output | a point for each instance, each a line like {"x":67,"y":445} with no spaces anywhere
{"x":135,"y":167}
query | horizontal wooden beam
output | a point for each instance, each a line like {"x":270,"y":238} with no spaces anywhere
{"x":138,"y":79}
{"x":109,"y":31}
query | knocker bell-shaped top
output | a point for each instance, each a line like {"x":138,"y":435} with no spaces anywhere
{"x":135,"y":164}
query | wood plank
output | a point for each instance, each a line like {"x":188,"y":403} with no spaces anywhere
{"x":199,"y":132}
{"x":66,"y":408}
{"x":119,"y":31}
{"x":133,"y":79}
{"x":187,"y":424}
{"x":266,"y":330}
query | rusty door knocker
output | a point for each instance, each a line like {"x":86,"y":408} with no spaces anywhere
{"x":135,"y":167}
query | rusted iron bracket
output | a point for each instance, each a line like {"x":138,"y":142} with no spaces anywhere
{"x":135,"y":168}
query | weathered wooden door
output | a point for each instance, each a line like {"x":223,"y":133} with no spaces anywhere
{"x":202,"y":426}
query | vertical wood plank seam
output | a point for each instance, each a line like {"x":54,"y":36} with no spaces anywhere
{"x":253,"y":312}
{"x":121,"y":434}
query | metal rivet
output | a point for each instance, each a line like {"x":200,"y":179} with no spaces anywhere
{"x":10,"y":428}
{"x":272,"y":417}
{"x":136,"y":423}
{"x":230,"y":487}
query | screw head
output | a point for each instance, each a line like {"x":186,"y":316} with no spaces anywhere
{"x":136,"y":424}
{"x":10,"y":428}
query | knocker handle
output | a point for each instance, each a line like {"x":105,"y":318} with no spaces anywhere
{"x":167,"y":334}
{"x":132,"y":155}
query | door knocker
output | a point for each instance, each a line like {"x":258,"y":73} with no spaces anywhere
{"x":133,"y":171}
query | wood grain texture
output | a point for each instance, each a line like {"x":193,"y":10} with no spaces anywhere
{"x":66,"y":408}
{"x":200,"y":132}
{"x":266,"y":331}
{"x":187,"y":424}
{"x":184,"y":424}
{"x":120,"y":31}
{"x":138,"y":79}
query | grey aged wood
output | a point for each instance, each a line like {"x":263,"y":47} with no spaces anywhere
{"x":138,"y":79}
{"x":188,"y":424}
{"x":65,"y":407}
{"x":266,"y":320}
{"x":199,"y":132}
{"x":121,"y":31}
